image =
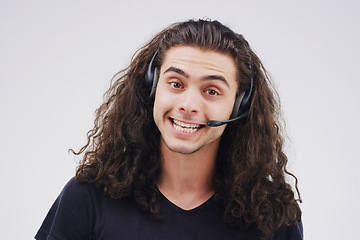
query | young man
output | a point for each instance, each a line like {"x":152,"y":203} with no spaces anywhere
{"x":186,"y":146}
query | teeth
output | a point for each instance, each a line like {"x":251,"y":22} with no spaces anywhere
{"x":185,"y":127}
{"x":185,"y":130}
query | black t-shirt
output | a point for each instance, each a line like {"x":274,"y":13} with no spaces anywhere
{"x":82,"y":212}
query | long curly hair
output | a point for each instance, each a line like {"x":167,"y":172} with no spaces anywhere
{"x":122,"y":150}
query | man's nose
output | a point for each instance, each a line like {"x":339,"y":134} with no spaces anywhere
{"x":190,"y":102}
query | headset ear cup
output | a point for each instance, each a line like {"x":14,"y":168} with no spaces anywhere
{"x":245,"y":104}
{"x":236,"y":109}
{"x":151,"y":76}
{"x":154,"y":83}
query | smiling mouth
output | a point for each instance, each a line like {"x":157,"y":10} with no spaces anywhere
{"x":185,"y":127}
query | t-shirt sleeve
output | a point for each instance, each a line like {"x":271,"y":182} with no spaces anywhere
{"x":71,"y":216}
{"x":293,"y":232}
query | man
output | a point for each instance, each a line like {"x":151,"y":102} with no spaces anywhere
{"x":186,"y":146}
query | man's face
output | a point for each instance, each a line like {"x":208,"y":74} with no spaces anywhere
{"x":194,"y":86}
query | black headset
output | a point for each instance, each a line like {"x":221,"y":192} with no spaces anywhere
{"x":241,"y":106}
{"x":152,"y":76}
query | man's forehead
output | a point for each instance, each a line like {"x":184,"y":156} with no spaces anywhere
{"x":186,"y":60}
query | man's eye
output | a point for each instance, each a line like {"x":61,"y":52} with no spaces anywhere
{"x":175,"y":85}
{"x":212,"y":92}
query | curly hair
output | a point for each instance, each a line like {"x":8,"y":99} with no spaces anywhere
{"x":122,"y":150}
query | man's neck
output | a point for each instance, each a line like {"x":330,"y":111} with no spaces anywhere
{"x":186,"y":179}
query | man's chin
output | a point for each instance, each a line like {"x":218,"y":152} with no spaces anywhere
{"x":185,"y":150}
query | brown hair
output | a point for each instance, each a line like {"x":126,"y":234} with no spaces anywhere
{"x":122,"y":151}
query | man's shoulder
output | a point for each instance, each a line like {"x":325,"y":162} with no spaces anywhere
{"x":76,"y":187}
{"x":75,"y":191}
{"x":294,"y":231}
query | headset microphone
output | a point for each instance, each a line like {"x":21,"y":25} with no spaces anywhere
{"x":214,"y":123}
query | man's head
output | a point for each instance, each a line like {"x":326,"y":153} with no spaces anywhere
{"x":194,"y":86}
{"x":231,"y":53}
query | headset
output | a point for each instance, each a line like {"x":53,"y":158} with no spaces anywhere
{"x":241,"y":106}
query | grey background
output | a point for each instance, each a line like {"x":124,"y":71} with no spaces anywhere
{"x":57,"y":59}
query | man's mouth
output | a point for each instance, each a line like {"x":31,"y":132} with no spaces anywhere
{"x":185,"y":127}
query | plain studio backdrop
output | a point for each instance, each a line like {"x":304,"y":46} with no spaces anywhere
{"x":57,"y":59}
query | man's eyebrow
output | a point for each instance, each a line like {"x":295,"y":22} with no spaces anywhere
{"x":215,"y":77}
{"x":178,"y":71}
